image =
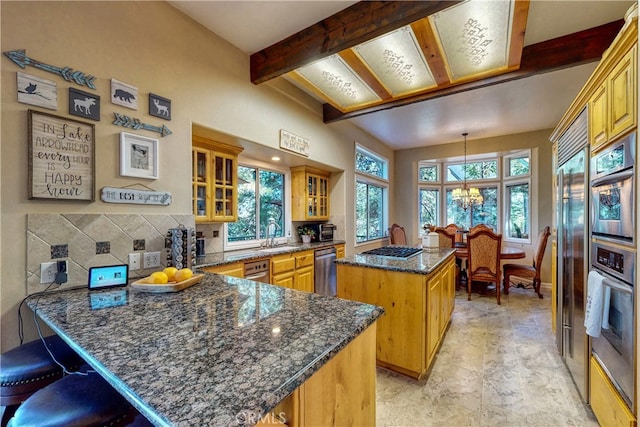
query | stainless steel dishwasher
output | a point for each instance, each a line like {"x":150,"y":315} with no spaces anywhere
{"x":325,"y":271}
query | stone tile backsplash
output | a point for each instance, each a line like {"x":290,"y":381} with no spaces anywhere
{"x":84,"y":235}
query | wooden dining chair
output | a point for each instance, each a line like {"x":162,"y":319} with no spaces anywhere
{"x":456,"y":231}
{"x":397,"y":235}
{"x":483,"y":261}
{"x":480,"y":227}
{"x":446,"y":238}
{"x":528,"y":271}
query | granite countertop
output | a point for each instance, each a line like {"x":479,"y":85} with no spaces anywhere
{"x":225,"y":351}
{"x":423,"y":263}
{"x":215,"y":259}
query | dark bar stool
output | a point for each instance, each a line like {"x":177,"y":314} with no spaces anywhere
{"x":77,"y":400}
{"x":29,"y":367}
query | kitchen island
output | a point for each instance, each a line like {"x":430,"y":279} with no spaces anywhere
{"x":418,"y":296}
{"x":225,"y":351}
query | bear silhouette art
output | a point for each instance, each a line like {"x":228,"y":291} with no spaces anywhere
{"x":123,"y":95}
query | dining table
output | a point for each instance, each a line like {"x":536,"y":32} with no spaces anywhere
{"x":505,"y":252}
{"x":462,"y":253}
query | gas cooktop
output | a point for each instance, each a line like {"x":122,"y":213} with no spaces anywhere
{"x":394,"y":251}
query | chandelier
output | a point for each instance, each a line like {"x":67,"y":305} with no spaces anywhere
{"x":465,"y":196}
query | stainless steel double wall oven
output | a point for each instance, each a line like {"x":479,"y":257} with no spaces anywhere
{"x":613,"y":256}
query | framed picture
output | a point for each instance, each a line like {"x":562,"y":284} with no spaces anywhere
{"x":84,"y":104}
{"x":37,"y":91}
{"x":159,"y":106}
{"x":124,"y":94}
{"x":61,"y":158}
{"x":138,"y":156}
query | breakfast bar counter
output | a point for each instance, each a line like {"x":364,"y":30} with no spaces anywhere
{"x":225,"y":351}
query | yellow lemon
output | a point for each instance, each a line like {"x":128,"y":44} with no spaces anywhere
{"x":183,"y":274}
{"x":170,"y":272}
{"x":158,"y":278}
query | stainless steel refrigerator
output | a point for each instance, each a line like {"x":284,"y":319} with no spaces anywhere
{"x":573,"y":250}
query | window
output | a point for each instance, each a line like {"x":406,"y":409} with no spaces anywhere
{"x":429,"y":202}
{"x":371,"y":195}
{"x":517,"y":215}
{"x":518,"y":165}
{"x":503,"y":180}
{"x":486,"y":213}
{"x":259,"y":199}
{"x":517,"y":194}
{"x":428,"y":172}
{"x":482,"y":170}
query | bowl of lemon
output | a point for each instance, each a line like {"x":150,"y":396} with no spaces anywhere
{"x":170,"y":279}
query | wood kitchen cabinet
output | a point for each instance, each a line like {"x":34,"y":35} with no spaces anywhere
{"x":612,"y":107}
{"x":417,"y":311}
{"x":236,"y":269}
{"x":342,"y":392}
{"x":294,"y":270}
{"x":340,"y":252}
{"x":607,"y":405}
{"x":309,"y":194}
{"x":611,"y":93}
{"x":214,"y":181}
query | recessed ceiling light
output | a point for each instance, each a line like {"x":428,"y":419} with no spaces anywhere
{"x":275,"y":158}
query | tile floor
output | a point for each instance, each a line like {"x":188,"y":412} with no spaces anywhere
{"x":497,"y":366}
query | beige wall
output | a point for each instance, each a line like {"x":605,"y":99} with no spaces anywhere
{"x":154,"y":47}
{"x":406,"y":185}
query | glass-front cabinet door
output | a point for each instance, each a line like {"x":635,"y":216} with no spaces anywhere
{"x":215,"y":182}
{"x":200,"y":182}
{"x":310,"y":194}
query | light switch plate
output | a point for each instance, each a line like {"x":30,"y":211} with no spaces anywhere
{"x":48,"y":272}
{"x":134,"y":261}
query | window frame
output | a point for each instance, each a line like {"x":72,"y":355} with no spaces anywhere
{"x":481,"y":185}
{"x":371,"y":180}
{"x":507,"y":210}
{"x":516,"y":155}
{"x":438,"y":167}
{"x":439,"y":206}
{"x":254,"y":243}
{"x":477,"y":182}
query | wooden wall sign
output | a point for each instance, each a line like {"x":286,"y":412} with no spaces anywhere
{"x":294,"y":143}
{"x":136,"y":197}
{"x":61,"y":158}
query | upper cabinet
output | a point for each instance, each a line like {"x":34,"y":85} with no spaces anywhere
{"x":309,"y":194}
{"x":215,"y":180}
{"x":612,"y":108}
{"x":610,"y":93}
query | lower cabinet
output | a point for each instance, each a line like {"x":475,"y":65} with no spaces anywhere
{"x":236,"y":269}
{"x":606,"y":403}
{"x":294,"y":270}
{"x":417,"y":311}
{"x":340,"y":252}
{"x":341,"y":393}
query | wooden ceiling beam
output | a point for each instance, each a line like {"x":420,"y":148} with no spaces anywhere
{"x":551,"y":55}
{"x":519,"y":25}
{"x":354,"y":25}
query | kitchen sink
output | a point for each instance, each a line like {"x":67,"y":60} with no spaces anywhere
{"x":278,"y":249}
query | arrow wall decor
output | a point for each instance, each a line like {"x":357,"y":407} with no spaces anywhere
{"x":133,"y":123}
{"x":67,"y":73}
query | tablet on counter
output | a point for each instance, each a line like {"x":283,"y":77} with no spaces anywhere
{"x":108,"y":276}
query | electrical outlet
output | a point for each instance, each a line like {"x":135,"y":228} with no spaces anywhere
{"x":48,"y":272}
{"x":151,"y":259}
{"x":134,"y":261}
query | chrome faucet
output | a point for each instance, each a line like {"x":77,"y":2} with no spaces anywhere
{"x":270,"y":242}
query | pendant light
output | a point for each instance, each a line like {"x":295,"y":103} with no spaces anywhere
{"x":464,"y":196}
